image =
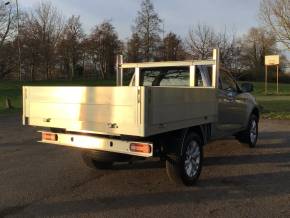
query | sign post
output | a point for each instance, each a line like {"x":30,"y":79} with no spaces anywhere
{"x":271,"y":60}
{"x":277,"y":79}
{"x":266,"y":80}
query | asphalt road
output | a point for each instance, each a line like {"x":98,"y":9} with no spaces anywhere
{"x":39,"y":180}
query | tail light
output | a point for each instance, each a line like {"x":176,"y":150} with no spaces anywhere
{"x":49,"y":136}
{"x":141,"y":148}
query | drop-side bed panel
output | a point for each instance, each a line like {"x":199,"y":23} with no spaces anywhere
{"x":172,"y":108}
{"x":103,"y":110}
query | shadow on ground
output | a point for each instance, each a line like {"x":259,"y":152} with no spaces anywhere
{"x":220,"y":188}
{"x":225,"y":188}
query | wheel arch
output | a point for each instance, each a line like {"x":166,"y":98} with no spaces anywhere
{"x":204,"y":132}
{"x":256,"y":112}
{"x":173,"y":142}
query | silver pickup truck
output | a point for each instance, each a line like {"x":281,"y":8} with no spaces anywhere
{"x":169,"y":110}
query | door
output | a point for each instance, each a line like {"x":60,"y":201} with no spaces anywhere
{"x":231,"y":110}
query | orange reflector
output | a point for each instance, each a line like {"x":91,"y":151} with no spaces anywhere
{"x":142,"y":148}
{"x":49,"y":136}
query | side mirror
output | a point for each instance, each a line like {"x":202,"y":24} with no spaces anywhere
{"x":247,"y":87}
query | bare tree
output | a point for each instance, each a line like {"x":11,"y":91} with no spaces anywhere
{"x":8,"y":60}
{"x":172,"y":48}
{"x":134,"y":48}
{"x":7,"y":54}
{"x":229,"y":47}
{"x":200,"y":41}
{"x":276,"y":15}
{"x":69,"y":47}
{"x":6,"y":17}
{"x":41,"y":32}
{"x":147,"y":26}
{"x":31,"y":47}
{"x":256,"y":44}
{"x":104,"y":45}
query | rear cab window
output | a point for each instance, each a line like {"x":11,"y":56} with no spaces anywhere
{"x":165,"y":77}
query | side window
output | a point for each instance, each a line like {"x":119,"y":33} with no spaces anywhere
{"x":176,"y":77}
{"x":165,"y":77}
{"x":227,"y":83}
{"x":148,"y":77}
{"x":203,"y":76}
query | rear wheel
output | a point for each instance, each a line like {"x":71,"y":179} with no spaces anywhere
{"x":186,"y":169}
{"x":250,"y":136}
{"x":93,"y":163}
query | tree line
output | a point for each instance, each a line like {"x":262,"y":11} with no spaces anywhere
{"x":52,"y":47}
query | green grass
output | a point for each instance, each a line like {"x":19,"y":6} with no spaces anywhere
{"x":13,"y":90}
{"x":274,"y":106}
{"x":284,"y":89}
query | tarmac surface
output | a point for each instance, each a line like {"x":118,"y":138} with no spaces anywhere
{"x":40,"y":180}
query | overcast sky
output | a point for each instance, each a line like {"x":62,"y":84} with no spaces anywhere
{"x":179,"y":15}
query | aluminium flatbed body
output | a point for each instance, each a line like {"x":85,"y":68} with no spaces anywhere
{"x":170,"y":110}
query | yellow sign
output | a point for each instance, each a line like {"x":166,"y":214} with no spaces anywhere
{"x":271,"y":60}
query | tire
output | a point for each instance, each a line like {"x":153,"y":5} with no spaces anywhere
{"x":95,"y":164}
{"x":186,"y":169}
{"x":250,"y":136}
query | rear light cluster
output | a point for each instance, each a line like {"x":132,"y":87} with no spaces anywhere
{"x":141,"y":148}
{"x":49,"y":136}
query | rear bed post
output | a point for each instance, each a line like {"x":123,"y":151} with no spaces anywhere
{"x":215,"y":70}
{"x":119,"y":70}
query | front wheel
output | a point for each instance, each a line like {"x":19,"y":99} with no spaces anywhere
{"x":187,"y":168}
{"x":250,"y":136}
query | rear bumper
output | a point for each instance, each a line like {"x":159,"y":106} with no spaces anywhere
{"x":96,"y":143}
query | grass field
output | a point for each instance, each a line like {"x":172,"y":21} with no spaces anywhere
{"x":13,"y":90}
{"x":274,"y":106}
{"x":259,"y":90}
